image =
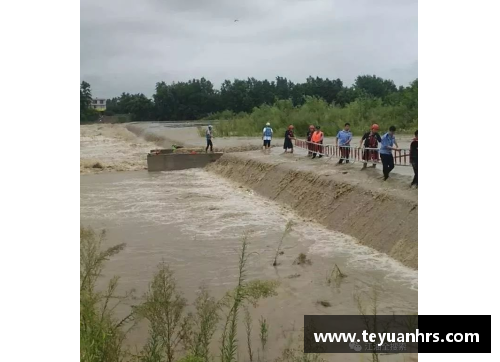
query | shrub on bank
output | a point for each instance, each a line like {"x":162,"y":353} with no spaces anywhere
{"x":361,"y":114}
{"x":175,"y":334}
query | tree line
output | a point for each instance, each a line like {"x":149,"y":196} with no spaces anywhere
{"x":87,"y":114}
{"x":198,"y":98}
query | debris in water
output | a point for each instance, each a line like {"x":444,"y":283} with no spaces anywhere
{"x":302,"y":260}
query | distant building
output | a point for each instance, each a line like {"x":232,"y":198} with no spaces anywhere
{"x":99,"y":104}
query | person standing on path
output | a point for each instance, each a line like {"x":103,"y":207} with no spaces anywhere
{"x":267,"y":135}
{"x":371,"y":140}
{"x":414,"y":159}
{"x":343,"y":140}
{"x":386,"y":148}
{"x":288,"y":145}
{"x":209,"y":136}
{"x":317,"y":137}
{"x":309,"y":137}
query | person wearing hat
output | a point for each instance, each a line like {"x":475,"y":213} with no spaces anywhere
{"x":288,"y":145}
{"x":317,"y":137}
{"x":309,"y":137}
{"x":267,"y":135}
{"x":209,"y":136}
{"x":370,"y":140}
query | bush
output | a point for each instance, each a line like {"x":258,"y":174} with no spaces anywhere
{"x":361,"y":114}
{"x":101,"y":334}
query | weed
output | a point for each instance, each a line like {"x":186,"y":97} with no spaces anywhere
{"x":263,"y":332}
{"x":370,"y":316}
{"x":288,"y":229}
{"x":294,"y":352}
{"x":258,"y":289}
{"x":172,"y":331}
{"x":302,"y":260}
{"x":97,"y":165}
{"x":164,"y":308}
{"x":248,"y":329}
{"x":229,"y":343}
{"x":101,"y":334}
{"x":244,"y":292}
{"x":205,"y":323}
{"x":336,"y":276}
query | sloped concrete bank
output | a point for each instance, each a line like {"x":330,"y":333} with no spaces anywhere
{"x":380,"y":216}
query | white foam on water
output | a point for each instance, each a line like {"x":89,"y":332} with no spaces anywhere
{"x":205,"y":206}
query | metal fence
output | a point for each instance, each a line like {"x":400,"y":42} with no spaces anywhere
{"x":353,"y":154}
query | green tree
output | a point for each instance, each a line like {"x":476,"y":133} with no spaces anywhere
{"x":375,"y":86}
{"x":198,"y":98}
{"x":86,"y":113}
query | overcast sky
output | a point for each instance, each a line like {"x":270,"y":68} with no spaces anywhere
{"x":129,"y":45}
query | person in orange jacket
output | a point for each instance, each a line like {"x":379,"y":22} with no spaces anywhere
{"x":317,"y":137}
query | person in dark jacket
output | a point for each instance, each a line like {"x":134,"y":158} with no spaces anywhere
{"x":309,"y":136}
{"x":370,"y":141}
{"x":414,"y":159}
{"x":388,"y":144}
{"x":288,"y":145}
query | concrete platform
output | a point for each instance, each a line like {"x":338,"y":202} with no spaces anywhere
{"x":180,"y":161}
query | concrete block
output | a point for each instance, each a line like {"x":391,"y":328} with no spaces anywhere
{"x":180,"y":161}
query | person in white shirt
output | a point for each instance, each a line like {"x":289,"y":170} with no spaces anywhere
{"x":267,"y":135}
{"x":209,"y":136}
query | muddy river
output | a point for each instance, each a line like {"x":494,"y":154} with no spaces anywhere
{"x":195,"y":220}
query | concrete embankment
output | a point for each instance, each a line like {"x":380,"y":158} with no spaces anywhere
{"x":383,"y":216}
{"x":182,"y":161}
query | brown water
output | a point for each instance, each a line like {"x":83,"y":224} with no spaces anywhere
{"x":194,"y":220}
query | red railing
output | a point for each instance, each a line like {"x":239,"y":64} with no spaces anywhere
{"x":353,"y":154}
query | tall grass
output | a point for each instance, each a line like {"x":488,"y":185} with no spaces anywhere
{"x":174,"y":334}
{"x":229,"y":342}
{"x":288,"y":230}
{"x":164,"y":310}
{"x":361,"y":114}
{"x":205,"y":322}
{"x":101,"y":333}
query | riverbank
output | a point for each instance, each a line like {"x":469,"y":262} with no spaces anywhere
{"x":194,"y":220}
{"x":381,"y":215}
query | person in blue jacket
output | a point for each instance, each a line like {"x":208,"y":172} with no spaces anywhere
{"x":386,"y":148}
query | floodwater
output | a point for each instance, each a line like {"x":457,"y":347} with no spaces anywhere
{"x":195,"y":220}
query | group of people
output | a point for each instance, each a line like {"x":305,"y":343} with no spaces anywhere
{"x":371,"y":151}
{"x":369,"y":142}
